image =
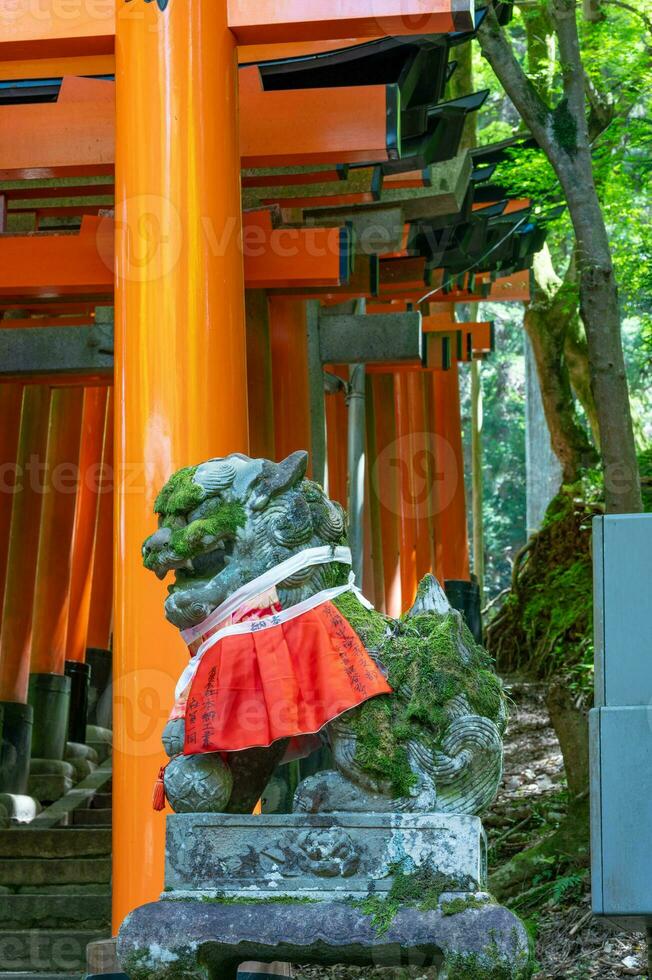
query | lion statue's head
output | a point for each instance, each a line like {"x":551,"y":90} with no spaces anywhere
{"x":227,"y":521}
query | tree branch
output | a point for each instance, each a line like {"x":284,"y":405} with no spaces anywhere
{"x":564,"y":17}
{"x":498,"y":51}
{"x":632,"y":10}
{"x":602,"y":109}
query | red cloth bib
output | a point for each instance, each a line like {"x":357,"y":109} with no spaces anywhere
{"x":284,"y":681}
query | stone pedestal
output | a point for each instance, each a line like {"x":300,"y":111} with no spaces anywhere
{"x":362,"y":889}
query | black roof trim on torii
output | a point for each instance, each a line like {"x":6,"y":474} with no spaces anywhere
{"x":418,"y":64}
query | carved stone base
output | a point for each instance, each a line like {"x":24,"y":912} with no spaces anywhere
{"x":207,"y":941}
{"x":324,"y":889}
{"x":323,"y":856}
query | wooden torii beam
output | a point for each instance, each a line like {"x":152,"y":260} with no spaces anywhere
{"x":29,"y":30}
{"x":76,"y":134}
{"x":49,"y":266}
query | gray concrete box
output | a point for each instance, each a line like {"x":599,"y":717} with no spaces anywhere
{"x":621,"y":814}
{"x":621,"y":723}
{"x":622,"y":562}
{"x":326,"y":856}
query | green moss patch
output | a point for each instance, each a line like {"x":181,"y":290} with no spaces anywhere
{"x":223,"y":523}
{"x":458,"y":905}
{"x":180,"y":494}
{"x":420,"y":889}
{"x":493,"y":966}
{"x":545,"y":627}
{"x":429,"y":659}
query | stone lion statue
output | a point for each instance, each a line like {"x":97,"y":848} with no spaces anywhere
{"x":411,"y":708}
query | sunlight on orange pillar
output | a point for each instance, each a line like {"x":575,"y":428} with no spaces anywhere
{"x":385,"y":477}
{"x":11,"y":398}
{"x":53,"y":568}
{"x":25,"y":507}
{"x":289,"y":342}
{"x":452,"y":521}
{"x":404,"y":462}
{"x":180,"y":362}
{"x":83,"y":539}
{"x":100,"y":619}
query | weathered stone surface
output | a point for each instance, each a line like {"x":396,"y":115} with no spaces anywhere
{"x":47,"y":789}
{"x":95,"y":733}
{"x":43,"y":844}
{"x":76,"y":750}
{"x":102,"y":957}
{"x":317,"y":855}
{"x":94,"y":888}
{"x":92,"y":818}
{"x":83,"y":768}
{"x":21,"y":809}
{"x":33,"y":871}
{"x":51,"y":767}
{"x":55,"y":911}
{"x":99,"y":739}
{"x":47,"y":950}
{"x":207,"y":941}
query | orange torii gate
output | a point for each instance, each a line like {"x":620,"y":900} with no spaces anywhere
{"x":185,"y":344}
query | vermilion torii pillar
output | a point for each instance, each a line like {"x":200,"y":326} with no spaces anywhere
{"x":83,"y":542}
{"x":100,"y":620}
{"x":16,"y":622}
{"x":180,"y":360}
{"x":49,"y":689}
{"x":11,"y":398}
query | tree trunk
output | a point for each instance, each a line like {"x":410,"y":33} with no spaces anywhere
{"x":564,"y":136}
{"x":546,"y":322}
{"x":571,"y":724}
{"x":601,"y":317}
{"x":576,"y":353}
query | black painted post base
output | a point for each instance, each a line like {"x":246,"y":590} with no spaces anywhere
{"x":80,"y":677}
{"x":49,"y":696}
{"x":15,"y":747}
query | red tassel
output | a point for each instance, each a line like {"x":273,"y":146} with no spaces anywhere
{"x":158,"y":796}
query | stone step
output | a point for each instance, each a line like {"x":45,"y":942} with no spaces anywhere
{"x":92,"y":818}
{"x":40,"y":976}
{"x":46,"y":844}
{"x":55,"y":912}
{"x":94,"y":888}
{"x":102,"y":801}
{"x":43,"y":951}
{"x":30,"y":871}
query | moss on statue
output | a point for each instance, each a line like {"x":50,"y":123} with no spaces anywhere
{"x":223,"y":523}
{"x":431,"y":659}
{"x":420,"y":889}
{"x":491,"y":966}
{"x":180,"y":494}
{"x":459,"y":905}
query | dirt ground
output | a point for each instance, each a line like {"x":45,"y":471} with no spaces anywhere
{"x":569,"y":943}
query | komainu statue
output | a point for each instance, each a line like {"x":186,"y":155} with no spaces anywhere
{"x":286,"y":653}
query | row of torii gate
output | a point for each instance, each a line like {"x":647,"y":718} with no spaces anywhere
{"x":210,"y":214}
